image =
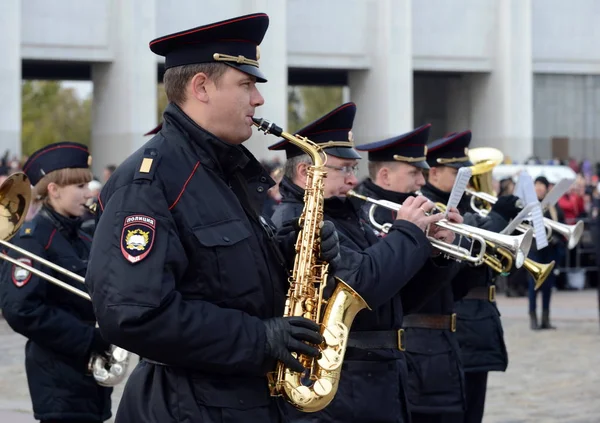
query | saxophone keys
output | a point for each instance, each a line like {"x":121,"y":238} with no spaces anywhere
{"x":301,"y":395}
{"x":334,"y":335}
{"x":330,"y":359}
{"x":322,"y":387}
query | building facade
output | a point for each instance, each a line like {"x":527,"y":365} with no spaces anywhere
{"x":519,"y":73}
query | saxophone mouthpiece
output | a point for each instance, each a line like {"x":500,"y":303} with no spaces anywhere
{"x":267,"y":127}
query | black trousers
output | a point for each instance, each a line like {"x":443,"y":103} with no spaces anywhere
{"x":476,"y":387}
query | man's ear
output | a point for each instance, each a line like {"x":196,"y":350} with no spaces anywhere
{"x":383,"y":175}
{"x":433,"y":173}
{"x":198,"y":87}
{"x":302,"y":172}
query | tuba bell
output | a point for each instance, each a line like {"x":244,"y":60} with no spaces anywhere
{"x":15,"y":198}
{"x":484,"y":160}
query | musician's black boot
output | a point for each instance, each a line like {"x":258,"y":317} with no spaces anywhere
{"x":546,"y":320}
{"x":533,"y":322}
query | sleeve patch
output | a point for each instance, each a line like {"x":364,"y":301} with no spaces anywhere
{"x":137,"y":237}
{"x":21,"y":276}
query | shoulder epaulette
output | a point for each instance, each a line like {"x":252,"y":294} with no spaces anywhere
{"x":148,"y":165}
{"x":27,"y":230}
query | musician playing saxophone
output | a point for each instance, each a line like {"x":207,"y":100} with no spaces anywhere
{"x":435,"y":374}
{"x":374,"y":372}
{"x":479,"y":330}
{"x":59,"y":327}
{"x":184,"y":271}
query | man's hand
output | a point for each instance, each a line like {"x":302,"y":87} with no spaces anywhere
{"x":330,"y":243}
{"x":287,"y":335}
{"x":446,"y":235}
{"x":416,"y":210}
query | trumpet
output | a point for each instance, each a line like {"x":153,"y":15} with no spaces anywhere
{"x":15,"y":198}
{"x":500,"y":260}
{"x":518,"y":246}
{"x":572,"y":233}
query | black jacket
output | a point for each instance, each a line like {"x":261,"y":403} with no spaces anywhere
{"x":479,"y":330}
{"x":435,"y":375}
{"x":59,"y":325}
{"x":373,"y":383}
{"x":183,"y":272}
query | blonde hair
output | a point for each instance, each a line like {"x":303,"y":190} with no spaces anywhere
{"x":61,"y":177}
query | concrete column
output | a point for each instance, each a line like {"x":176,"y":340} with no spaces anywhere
{"x":502,"y":102}
{"x":10,"y":77}
{"x":273,"y":63}
{"x":384,"y":93}
{"x":125,"y":91}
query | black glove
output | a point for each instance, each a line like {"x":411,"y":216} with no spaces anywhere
{"x":285,"y":335}
{"x":99,"y":345}
{"x":330,"y":244}
{"x":507,"y":207}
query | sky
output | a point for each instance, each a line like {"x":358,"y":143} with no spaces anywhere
{"x":82,"y":88}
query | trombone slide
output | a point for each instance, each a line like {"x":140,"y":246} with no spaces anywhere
{"x":46,"y":276}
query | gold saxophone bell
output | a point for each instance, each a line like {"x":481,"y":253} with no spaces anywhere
{"x":15,"y":199}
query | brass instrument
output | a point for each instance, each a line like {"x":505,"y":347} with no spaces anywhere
{"x":572,"y":233}
{"x":314,"y":389}
{"x":484,"y":160}
{"x":518,"y":246}
{"x":450,"y":250}
{"x":15,"y":199}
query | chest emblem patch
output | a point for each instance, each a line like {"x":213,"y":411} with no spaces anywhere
{"x":137,"y":237}
{"x":20,"y":276}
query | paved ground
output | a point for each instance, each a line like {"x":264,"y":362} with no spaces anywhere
{"x":553,"y":376}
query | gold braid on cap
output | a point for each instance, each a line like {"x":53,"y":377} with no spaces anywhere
{"x":329,"y":144}
{"x":412,"y":159}
{"x":453,"y":160}
{"x":240,"y":60}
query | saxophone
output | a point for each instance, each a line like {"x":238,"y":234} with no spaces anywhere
{"x":314,"y":389}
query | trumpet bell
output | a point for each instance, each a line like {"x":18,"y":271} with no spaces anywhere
{"x":517,"y":246}
{"x":539,"y":271}
{"x":15,"y":197}
{"x":574,"y":234}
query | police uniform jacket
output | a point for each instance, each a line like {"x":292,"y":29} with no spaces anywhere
{"x":182,"y":273}
{"x":435,"y":375}
{"x":58,"y":325}
{"x":479,"y":329}
{"x":372,"y":386}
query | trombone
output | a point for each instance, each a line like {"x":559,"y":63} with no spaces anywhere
{"x":518,"y":246}
{"x":15,"y":199}
{"x":572,"y":233}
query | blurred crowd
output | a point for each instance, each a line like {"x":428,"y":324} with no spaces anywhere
{"x":583,"y":199}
